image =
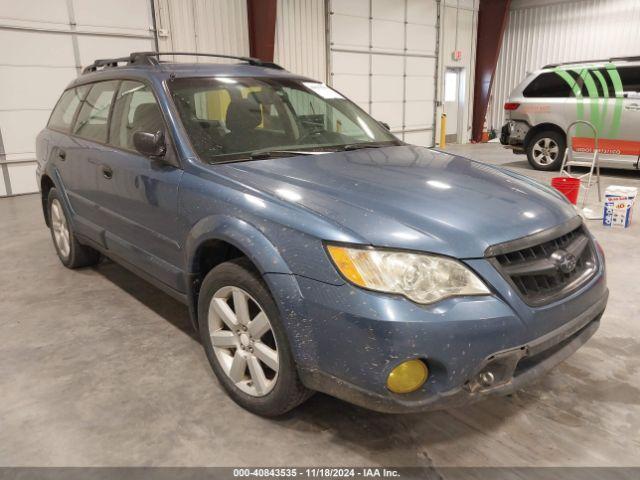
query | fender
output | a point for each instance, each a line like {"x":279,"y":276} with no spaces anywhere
{"x":52,"y":172}
{"x":242,"y":235}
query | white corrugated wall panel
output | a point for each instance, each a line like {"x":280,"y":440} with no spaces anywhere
{"x":538,"y":34}
{"x":383,"y":57}
{"x":203,"y":26}
{"x":300,"y":37}
{"x":50,"y":41}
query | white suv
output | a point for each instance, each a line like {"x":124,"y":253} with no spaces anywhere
{"x":605,"y":93}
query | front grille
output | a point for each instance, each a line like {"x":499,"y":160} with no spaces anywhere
{"x":542,"y":273}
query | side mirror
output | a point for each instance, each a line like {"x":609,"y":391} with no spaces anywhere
{"x":150,"y":144}
{"x":385,"y":125}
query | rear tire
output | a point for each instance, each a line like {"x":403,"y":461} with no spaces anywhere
{"x":71,"y":253}
{"x":545,"y":150}
{"x":251,"y":357}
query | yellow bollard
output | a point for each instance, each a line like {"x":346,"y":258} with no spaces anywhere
{"x":443,"y":130}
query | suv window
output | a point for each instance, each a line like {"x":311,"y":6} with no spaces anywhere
{"x":65,"y":109}
{"x":94,"y":113}
{"x":212,"y":105}
{"x":317,"y":114}
{"x":211,"y":108}
{"x":135,"y":110}
{"x":550,"y":85}
{"x":231,"y":118}
{"x":630,"y":77}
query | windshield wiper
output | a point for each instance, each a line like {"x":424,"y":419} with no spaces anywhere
{"x":359,"y":146}
{"x":277,"y":153}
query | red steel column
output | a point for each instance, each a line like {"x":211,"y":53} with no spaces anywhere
{"x":262,"y":28}
{"x":492,"y":21}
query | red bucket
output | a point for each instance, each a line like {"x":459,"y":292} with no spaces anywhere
{"x":569,"y":187}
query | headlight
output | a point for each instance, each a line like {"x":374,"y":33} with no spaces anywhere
{"x":419,"y":277}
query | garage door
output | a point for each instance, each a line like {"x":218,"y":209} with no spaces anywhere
{"x":45,"y":43}
{"x":383,"y":55}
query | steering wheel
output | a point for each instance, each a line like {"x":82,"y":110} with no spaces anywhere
{"x":324,"y":137}
{"x":311,"y":136}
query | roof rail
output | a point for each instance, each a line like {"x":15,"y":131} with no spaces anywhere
{"x":600,"y":60}
{"x":628,"y":59}
{"x":152,"y":58}
{"x":106,"y":62}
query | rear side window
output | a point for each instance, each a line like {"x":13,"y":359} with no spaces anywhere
{"x":630,"y":77}
{"x":94,"y":114}
{"x":550,"y":85}
{"x":65,"y":109}
{"x":135,"y":110}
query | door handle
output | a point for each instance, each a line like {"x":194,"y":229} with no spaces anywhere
{"x":107,"y":172}
{"x":62,"y":155}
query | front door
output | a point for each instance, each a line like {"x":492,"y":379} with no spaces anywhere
{"x":139,"y":195}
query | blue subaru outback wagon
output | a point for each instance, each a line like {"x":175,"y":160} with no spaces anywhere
{"x":316,"y":251}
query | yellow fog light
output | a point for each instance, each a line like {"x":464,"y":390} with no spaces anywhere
{"x":408,"y":377}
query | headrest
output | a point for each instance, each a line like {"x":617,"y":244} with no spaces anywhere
{"x":243,"y":115}
{"x":147,"y":117}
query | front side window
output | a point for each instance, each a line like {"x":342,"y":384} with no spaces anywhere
{"x":549,"y":85}
{"x":135,"y":110}
{"x":93,"y":118}
{"x":65,"y":109}
{"x":231,"y":118}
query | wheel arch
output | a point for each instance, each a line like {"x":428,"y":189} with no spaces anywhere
{"x":220,"y":238}
{"x":46,"y":184}
{"x":543,"y":127}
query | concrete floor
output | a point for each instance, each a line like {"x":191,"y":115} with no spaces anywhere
{"x":99,"y":368}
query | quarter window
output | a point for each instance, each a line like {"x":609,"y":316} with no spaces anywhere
{"x":550,"y":85}
{"x":135,"y":110}
{"x":94,"y":114}
{"x":65,"y":109}
{"x":630,"y":77}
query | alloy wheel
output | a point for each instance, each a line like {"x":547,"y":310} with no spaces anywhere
{"x":60,"y":229}
{"x":545,"y":151}
{"x":243,"y":341}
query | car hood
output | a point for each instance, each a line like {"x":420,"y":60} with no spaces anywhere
{"x":409,"y":197}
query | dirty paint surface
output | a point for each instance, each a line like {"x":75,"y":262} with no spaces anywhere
{"x":99,"y":368}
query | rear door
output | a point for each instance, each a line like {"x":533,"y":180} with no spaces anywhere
{"x":608,"y":96}
{"x":58,"y":145}
{"x":83,"y":154}
{"x":139,"y":195}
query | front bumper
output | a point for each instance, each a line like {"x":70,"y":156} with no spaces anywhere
{"x":346,"y":340}
{"x":517,"y":367}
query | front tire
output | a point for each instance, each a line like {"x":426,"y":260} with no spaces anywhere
{"x":545,"y":150}
{"x":71,"y":253}
{"x":245,"y":341}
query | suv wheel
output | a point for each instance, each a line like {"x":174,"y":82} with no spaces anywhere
{"x":545,"y":150}
{"x":70,"y":252}
{"x":245,"y":341}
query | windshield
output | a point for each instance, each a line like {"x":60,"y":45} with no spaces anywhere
{"x":230,"y":118}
